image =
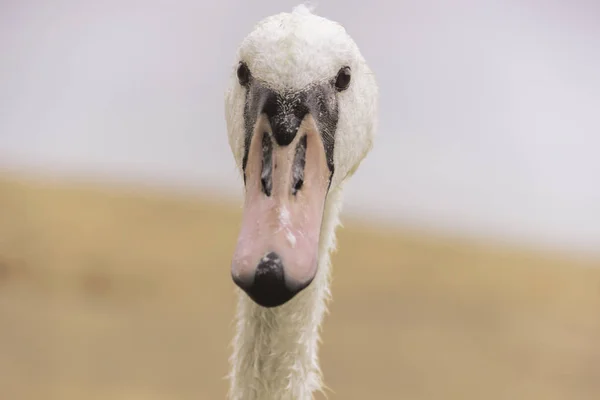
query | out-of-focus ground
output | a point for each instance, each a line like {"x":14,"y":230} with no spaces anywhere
{"x":118,"y":294}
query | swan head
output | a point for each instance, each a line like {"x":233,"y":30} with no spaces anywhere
{"x":301,"y":113}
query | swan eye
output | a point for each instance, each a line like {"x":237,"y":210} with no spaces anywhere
{"x":342,"y":80}
{"x":243,"y":74}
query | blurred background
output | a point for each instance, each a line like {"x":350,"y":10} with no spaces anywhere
{"x":477,"y":213}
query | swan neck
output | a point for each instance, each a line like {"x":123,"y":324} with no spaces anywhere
{"x":275,"y":350}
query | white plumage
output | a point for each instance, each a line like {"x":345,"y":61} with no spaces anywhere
{"x":275,"y":349}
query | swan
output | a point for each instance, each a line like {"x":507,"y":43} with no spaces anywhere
{"x":300,"y":112}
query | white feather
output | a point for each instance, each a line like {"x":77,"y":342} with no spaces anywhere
{"x":275,"y":351}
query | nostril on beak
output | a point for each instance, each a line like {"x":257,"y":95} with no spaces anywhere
{"x":298,"y":166}
{"x":266,"y":175}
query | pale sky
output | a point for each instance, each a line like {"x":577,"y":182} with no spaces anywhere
{"x":489,"y":119}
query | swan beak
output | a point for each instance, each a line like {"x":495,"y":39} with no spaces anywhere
{"x":287,"y":179}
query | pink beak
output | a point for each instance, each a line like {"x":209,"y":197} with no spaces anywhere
{"x":286,"y":186}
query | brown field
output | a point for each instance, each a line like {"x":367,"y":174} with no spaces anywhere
{"x":111,"y":294}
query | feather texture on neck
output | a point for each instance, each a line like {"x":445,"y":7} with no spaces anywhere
{"x":275,"y":350}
